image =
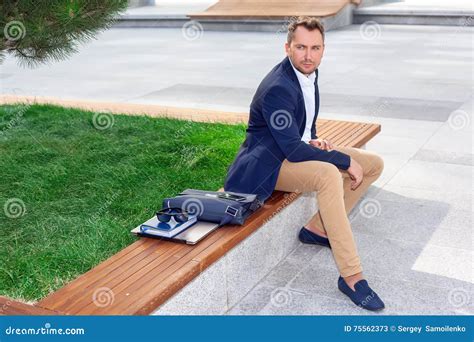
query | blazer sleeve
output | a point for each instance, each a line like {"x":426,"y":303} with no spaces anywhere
{"x":279,"y":113}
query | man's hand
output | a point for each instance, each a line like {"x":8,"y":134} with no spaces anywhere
{"x":322,"y":144}
{"x":356,"y":173}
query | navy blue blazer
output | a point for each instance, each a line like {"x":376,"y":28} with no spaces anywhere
{"x":276,"y":124}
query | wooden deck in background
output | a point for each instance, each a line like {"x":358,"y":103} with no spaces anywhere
{"x":271,"y":9}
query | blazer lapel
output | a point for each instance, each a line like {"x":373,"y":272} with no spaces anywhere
{"x":288,"y":68}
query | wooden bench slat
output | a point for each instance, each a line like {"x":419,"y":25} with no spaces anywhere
{"x":362,"y":139}
{"x":177,"y":277}
{"x":360,"y":136}
{"x":142,"y":282}
{"x":338,"y":131}
{"x":138,"y":281}
{"x":324,"y":123}
{"x":328,"y":127}
{"x":12,"y":307}
{"x":331,"y":127}
{"x":132,"y":270}
{"x":341,"y":135}
{"x":345,"y":138}
{"x":142,"y":285}
{"x":115,"y":262}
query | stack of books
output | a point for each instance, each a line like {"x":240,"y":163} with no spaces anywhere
{"x":169,"y":229}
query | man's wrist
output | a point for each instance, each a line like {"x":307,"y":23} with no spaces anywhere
{"x":346,"y":163}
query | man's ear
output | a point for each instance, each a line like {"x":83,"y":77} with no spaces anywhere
{"x":287,"y":48}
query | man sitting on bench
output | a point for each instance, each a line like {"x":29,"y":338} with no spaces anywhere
{"x":282,"y":152}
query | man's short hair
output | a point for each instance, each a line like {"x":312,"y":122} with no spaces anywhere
{"x":309,"y":23}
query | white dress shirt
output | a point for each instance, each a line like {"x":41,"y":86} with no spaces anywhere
{"x":307,"y":86}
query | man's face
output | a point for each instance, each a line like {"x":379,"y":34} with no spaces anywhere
{"x":306,"y":49}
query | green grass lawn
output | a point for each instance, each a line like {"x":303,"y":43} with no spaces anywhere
{"x":70,"y":192}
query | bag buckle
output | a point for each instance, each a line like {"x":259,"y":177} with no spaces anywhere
{"x":231,"y":211}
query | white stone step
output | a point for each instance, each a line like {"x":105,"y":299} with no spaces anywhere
{"x":415,"y":12}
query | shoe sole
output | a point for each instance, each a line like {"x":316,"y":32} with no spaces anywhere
{"x":315,"y":243}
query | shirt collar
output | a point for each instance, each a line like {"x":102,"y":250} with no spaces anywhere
{"x":302,"y":78}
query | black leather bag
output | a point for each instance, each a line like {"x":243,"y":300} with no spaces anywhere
{"x":214,"y":206}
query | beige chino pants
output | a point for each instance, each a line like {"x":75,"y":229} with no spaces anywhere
{"x":335,"y":199}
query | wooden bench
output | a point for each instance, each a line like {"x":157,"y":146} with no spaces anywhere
{"x":146,"y":274}
{"x":274,"y":9}
{"x":12,"y":307}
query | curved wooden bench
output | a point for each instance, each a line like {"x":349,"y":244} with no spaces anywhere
{"x":144,"y":275}
{"x":274,"y":9}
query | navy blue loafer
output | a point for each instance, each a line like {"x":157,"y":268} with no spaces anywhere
{"x":363,"y":295}
{"x":307,"y":236}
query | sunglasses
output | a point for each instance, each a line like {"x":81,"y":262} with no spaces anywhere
{"x":165,"y":215}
